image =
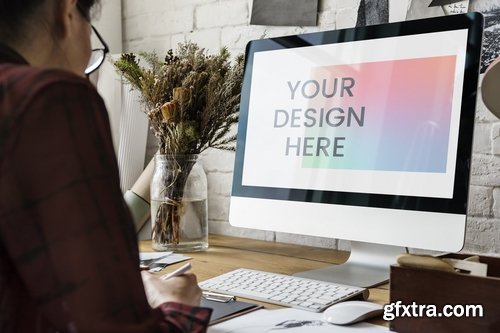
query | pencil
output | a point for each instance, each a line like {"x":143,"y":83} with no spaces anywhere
{"x":177,"y":272}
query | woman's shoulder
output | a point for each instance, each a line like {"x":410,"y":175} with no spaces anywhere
{"x":25,"y":84}
{"x":30,"y":78}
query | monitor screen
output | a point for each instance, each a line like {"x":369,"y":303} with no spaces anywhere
{"x":361,"y":134}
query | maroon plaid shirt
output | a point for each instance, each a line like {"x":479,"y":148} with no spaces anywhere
{"x":68,"y":249}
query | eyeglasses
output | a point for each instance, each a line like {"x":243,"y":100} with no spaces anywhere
{"x":98,"y":54}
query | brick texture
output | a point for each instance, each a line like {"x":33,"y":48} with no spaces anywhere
{"x":158,"y":25}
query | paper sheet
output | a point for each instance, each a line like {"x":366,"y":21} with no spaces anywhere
{"x":152,"y":255}
{"x":171,"y":258}
{"x":288,"y":320}
{"x":420,"y":9}
{"x":398,"y":10}
{"x":443,"y":2}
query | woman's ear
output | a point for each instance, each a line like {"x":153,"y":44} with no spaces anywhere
{"x":65,"y":12}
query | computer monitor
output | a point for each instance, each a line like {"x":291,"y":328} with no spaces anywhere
{"x":362,"y":134}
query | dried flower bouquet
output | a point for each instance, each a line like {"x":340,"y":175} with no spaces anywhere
{"x":192,"y":101}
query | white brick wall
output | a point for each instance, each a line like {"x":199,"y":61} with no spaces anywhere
{"x":161,"y":24}
{"x":221,"y":14}
{"x":495,"y":138}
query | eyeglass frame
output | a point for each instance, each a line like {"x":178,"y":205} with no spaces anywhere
{"x":105,"y":48}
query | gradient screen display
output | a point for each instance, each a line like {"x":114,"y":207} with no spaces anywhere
{"x":374,"y":116}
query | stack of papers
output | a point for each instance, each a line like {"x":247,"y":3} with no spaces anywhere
{"x":159,"y":260}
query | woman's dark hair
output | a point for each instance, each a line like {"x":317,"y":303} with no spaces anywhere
{"x":13,"y":14}
{"x":85,"y":6}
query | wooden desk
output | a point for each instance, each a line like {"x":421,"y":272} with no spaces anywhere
{"x":228,"y":253}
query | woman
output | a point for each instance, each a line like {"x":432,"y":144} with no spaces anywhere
{"x":68,"y":251}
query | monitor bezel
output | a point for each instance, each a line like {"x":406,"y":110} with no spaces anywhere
{"x":473,"y":22}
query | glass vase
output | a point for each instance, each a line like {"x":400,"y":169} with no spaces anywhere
{"x":179,"y":214}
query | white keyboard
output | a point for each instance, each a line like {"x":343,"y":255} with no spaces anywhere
{"x":285,"y":290}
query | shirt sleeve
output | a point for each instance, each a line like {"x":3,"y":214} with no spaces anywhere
{"x":65,"y":224}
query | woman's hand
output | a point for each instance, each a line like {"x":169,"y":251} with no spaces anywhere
{"x":181,"y":289}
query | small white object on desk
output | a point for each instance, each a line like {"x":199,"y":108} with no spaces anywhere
{"x":166,"y":258}
{"x":172,"y":259}
{"x":153,"y":255}
{"x":350,"y":312}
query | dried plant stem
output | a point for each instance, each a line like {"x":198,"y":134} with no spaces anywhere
{"x":166,"y":226}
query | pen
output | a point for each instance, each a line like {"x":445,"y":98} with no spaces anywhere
{"x":177,"y":272}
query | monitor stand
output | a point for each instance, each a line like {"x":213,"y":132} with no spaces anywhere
{"x":367,"y":266}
